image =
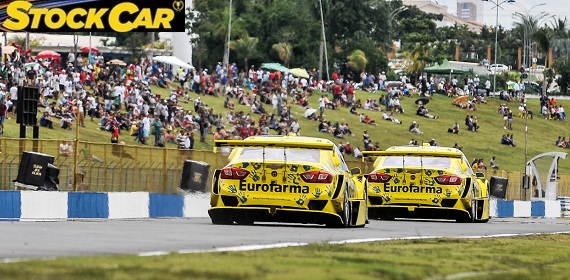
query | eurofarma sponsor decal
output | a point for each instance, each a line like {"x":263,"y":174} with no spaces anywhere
{"x":412,"y":189}
{"x":93,"y":15}
{"x":273,"y":187}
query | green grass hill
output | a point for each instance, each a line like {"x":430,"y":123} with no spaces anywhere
{"x":484,"y":144}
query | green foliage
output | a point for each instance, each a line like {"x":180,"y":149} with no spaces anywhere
{"x":357,"y":61}
{"x":245,"y":47}
{"x":563,"y":70}
{"x":284,"y":51}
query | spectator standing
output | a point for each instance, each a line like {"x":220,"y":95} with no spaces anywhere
{"x":14,"y":98}
{"x":3,"y":113}
{"x":157,"y":129}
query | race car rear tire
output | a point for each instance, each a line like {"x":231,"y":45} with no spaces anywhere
{"x":345,"y":214}
{"x":472,"y":216}
{"x":346,"y":209}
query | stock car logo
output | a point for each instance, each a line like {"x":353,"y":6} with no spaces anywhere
{"x":93,"y":15}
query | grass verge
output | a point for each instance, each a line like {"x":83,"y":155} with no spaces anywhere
{"x":529,"y":257}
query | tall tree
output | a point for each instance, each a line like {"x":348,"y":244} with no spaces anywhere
{"x":357,"y":61}
{"x":285,"y":51}
{"x":245,"y":47}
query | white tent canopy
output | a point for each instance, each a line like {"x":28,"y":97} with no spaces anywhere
{"x":175,"y":61}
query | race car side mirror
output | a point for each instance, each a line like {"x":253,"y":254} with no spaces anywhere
{"x":355,"y":171}
{"x":480,"y":175}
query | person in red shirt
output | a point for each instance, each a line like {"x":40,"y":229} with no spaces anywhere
{"x":334,"y":76}
{"x":115,"y":137}
{"x":350,"y":94}
{"x":337,"y":93}
{"x":82,"y":77}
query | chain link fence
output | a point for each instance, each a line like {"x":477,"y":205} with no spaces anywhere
{"x":103,"y":167}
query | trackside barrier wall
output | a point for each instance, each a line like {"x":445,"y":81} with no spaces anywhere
{"x":105,"y":167}
{"x":37,"y":205}
{"x":523,"y":209}
{"x":32,"y":205}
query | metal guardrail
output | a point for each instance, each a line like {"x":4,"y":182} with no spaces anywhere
{"x":564,"y":205}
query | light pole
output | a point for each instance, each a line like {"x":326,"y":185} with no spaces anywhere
{"x":497,"y":5}
{"x":226,"y":59}
{"x":530,"y":23}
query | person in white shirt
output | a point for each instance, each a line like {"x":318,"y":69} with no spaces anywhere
{"x":92,"y":103}
{"x":322,"y":105}
{"x":65,"y":148}
{"x":14,"y":98}
{"x":71,"y":57}
{"x":80,"y":111}
{"x":146,"y":128}
{"x":357,"y":153}
{"x":488,"y":87}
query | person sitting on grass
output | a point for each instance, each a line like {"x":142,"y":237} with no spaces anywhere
{"x":65,"y":148}
{"x":507,"y":140}
{"x":454,"y":129}
{"x":492,"y":163}
{"x":66,"y":122}
{"x":390,"y":118}
{"x":424,"y":112}
{"x":366,"y":119}
{"x":415,"y":128}
{"x":46,"y":121}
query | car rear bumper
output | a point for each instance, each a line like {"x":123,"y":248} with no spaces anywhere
{"x":273,"y":214}
{"x":415,"y":211}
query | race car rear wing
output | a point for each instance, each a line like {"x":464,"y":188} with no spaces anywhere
{"x":448,"y":154}
{"x":277,"y":144}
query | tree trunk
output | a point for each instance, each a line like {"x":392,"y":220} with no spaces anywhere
{"x":246,"y":64}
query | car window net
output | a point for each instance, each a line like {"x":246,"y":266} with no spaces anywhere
{"x":431,"y":162}
{"x":278,"y":154}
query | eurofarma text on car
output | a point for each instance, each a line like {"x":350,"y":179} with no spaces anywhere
{"x":286,"y":179}
{"x":425,"y":182}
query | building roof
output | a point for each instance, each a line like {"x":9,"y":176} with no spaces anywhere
{"x":429,"y":6}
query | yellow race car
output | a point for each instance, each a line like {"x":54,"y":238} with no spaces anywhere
{"x":287,"y":179}
{"x":425,"y":182}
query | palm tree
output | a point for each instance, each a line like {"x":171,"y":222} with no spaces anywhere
{"x":357,"y":60}
{"x":245,"y":47}
{"x":285,"y":52}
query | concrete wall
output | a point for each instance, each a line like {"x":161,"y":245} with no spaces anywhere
{"x":38,"y":205}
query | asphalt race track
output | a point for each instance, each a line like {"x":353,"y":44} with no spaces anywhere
{"x":30,"y":240}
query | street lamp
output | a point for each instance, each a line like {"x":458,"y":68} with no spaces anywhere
{"x":530,"y":23}
{"x":497,"y":5}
